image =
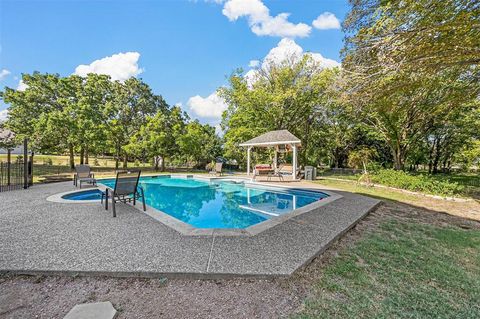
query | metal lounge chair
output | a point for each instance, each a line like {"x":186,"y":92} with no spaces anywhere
{"x":126,"y":190}
{"x":83,"y":174}
{"x":218,"y":169}
{"x":276,"y":173}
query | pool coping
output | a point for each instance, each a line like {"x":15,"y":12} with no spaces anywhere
{"x":189,"y":230}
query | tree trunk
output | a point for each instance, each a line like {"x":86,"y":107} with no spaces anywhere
{"x":82,"y":154}
{"x":398,"y":158}
{"x":125,"y":160}
{"x":117,"y":157}
{"x":436,"y":159}
{"x":72,"y":158}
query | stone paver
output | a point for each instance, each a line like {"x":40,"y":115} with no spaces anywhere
{"x":97,"y":310}
{"x":38,"y":236}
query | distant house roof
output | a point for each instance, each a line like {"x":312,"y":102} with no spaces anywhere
{"x":273,"y":138}
{"x":7,"y":137}
{"x":6,"y":134}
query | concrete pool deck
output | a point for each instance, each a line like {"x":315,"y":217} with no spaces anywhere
{"x":42,"y":237}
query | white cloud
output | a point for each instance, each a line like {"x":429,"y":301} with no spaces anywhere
{"x":210,"y":107}
{"x":3,"y":115}
{"x":21,"y":86}
{"x":121,"y":66}
{"x":325,"y":21}
{"x":322,"y":61}
{"x":260,"y":20}
{"x":4,"y":73}
{"x":287,"y":50}
{"x":253,"y":63}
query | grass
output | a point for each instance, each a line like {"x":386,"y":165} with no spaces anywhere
{"x":382,"y":193}
{"x":402,"y":270}
{"x":469,"y":182}
{"x":56,"y":167}
{"x":64,"y":160}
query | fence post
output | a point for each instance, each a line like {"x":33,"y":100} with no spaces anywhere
{"x":30,"y":170}
{"x":9,"y":161}
{"x":25,"y":164}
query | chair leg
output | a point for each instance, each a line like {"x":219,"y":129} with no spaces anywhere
{"x":143,"y":200}
{"x":113,"y":206}
{"x":106,"y":199}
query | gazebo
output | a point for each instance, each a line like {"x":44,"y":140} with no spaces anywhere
{"x":274,"y":139}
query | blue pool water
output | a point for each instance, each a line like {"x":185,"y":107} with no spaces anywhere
{"x":220,"y":204}
{"x":93,"y":194}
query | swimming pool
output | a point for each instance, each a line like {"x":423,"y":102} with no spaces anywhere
{"x":220,"y":203}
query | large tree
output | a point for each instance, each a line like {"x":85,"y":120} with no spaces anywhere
{"x":131,"y":103}
{"x":404,"y":68}
{"x":287,"y":95}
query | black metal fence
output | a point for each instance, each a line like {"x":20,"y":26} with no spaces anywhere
{"x":16,"y":174}
{"x":11,"y":176}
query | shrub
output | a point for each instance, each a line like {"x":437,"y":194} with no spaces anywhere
{"x":416,"y":183}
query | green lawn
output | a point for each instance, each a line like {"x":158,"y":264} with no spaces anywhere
{"x":377,"y":192}
{"x":469,"y":182}
{"x":64,"y":160}
{"x":402,"y":270}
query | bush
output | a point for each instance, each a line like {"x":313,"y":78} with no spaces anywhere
{"x":416,"y":183}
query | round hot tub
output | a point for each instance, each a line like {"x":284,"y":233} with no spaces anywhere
{"x":92,"y":194}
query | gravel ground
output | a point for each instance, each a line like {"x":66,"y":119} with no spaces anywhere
{"x":52,"y":297}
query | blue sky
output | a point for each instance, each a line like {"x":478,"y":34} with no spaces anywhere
{"x":182,"y":49}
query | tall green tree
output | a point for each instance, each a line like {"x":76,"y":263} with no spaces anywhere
{"x":289,"y":95}
{"x":131,"y":103}
{"x":199,"y":143}
{"x":403,"y":68}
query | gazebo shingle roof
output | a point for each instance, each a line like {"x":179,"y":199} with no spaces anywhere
{"x":273,"y":138}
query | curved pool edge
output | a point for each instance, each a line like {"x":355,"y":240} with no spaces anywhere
{"x":58,"y":198}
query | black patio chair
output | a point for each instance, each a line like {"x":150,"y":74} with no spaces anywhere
{"x":126,"y":190}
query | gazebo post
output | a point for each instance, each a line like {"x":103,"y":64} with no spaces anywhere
{"x":275,"y":158}
{"x":248,"y":160}
{"x":294,"y":162}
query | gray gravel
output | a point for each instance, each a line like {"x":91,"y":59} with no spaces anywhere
{"x":52,"y":297}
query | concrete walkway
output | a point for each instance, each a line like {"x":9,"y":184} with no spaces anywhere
{"x":37,"y":236}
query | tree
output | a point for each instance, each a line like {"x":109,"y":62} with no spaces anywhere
{"x":132,"y":102}
{"x":199,"y":143}
{"x":157,"y":138}
{"x":289,"y":95}
{"x":403,"y":69}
